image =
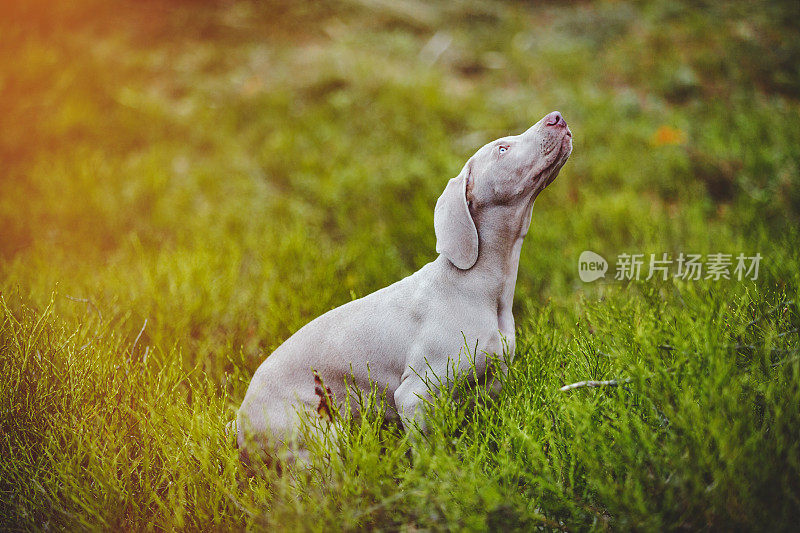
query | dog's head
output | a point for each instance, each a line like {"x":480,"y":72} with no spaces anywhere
{"x":503,"y":172}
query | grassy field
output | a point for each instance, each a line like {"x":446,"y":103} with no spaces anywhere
{"x":183,"y":185}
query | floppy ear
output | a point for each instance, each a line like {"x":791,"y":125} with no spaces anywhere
{"x":456,"y":235}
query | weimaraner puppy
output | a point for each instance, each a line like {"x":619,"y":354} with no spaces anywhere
{"x":409,"y":334}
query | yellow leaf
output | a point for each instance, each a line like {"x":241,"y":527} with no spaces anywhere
{"x":666,"y":135}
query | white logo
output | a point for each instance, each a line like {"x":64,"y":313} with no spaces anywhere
{"x":591,"y":266}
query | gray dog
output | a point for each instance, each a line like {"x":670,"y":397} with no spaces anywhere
{"x":409,"y":334}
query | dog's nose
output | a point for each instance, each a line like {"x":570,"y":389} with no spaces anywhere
{"x":555,"y":119}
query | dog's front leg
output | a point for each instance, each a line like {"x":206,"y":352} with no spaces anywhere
{"x":409,"y":398}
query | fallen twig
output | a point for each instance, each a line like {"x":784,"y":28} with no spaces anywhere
{"x":592,"y":383}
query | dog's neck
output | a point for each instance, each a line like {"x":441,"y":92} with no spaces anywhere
{"x":501,"y":230}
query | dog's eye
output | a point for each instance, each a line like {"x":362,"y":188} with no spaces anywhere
{"x":502,"y":149}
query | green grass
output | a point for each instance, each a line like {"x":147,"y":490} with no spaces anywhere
{"x":183,"y":187}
